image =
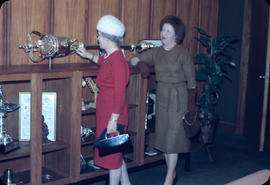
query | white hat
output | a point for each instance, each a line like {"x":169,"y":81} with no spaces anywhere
{"x":111,"y":25}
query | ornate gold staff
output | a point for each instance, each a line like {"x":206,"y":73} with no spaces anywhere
{"x":50,"y":46}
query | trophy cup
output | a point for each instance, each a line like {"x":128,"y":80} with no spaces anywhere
{"x":8,"y":177}
{"x":7,"y":144}
{"x":94,"y":89}
{"x":86,"y":132}
{"x":50,"y":46}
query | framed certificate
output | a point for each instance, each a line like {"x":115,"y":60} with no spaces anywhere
{"x":48,"y":111}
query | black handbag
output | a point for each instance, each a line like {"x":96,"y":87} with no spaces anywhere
{"x":109,"y":145}
{"x":191,"y":128}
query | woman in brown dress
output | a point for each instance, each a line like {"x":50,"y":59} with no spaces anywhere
{"x":175,"y":90}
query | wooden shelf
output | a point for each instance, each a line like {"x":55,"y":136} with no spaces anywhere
{"x":90,"y":111}
{"x":24,"y":150}
{"x":88,"y":141}
{"x":59,"y":161}
{"x":48,"y":176}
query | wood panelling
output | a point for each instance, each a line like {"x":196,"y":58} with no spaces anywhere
{"x":99,"y":8}
{"x":188,"y":11}
{"x":78,"y":19}
{"x":137,"y":27}
{"x":2,"y":34}
{"x":159,"y":10}
{"x":26,"y":16}
{"x":208,"y":17}
{"x":70,"y":20}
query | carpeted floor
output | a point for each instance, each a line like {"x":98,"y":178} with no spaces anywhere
{"x":233,"y":157}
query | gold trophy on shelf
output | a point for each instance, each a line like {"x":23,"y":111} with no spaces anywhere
{"x":49,"y":46}
{"x":94,"y":89}
{"x":7,"y":144}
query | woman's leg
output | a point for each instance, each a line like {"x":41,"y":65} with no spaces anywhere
{"x":171,"y":161}
{"x":115,"y":176}
{"x":119,"y":174}
{"x":124,"y":175}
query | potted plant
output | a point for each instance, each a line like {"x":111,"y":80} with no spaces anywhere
{"x":214,"y":67}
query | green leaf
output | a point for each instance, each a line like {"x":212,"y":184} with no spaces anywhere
{"x":232,"y":64}
{"x":213,"y":68}
{"x":201,"y":31}
{"x":205,"y":42}
{"x":201,"y":76}
{"x":202,"y":58}
{"x":227,"y":76}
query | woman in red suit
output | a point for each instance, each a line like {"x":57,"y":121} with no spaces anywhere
{"x":112,"y":80}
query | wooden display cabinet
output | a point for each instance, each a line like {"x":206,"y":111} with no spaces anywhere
{"x":36,"y":162}
{"x":58,"y":162}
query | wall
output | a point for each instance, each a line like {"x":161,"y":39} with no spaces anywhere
{"x":78,"y":18}
{"x":230,"y":22}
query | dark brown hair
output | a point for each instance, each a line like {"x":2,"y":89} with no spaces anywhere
{"x":177,"y":24}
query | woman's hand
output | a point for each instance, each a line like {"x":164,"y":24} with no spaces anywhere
{"x":111,"y":128}
{"x":84,"y":53}
{"x":112,"y":124}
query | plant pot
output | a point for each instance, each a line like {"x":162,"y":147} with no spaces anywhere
{"x":208,"y":123}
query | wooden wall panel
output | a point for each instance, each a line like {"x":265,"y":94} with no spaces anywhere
{"x":26,"y":16}
{"x":99,"y":8}
{"x":78,"y":19}
{"x":70,"y":20}
{"x":96,"y":9}
{"x":208,"y":17}
{"x":188,"y":11}
{"x":137,"y":21}
{"x":2,"y":43}
{"x":159,"y":10}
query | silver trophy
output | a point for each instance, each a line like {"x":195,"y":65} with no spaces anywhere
{"x":8,"y":177}
{"x":86,"y":132}
{"x":7,"y":144}
{"x":49,"y":46}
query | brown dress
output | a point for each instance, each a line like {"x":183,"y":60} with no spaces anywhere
{"x":174,"y":74}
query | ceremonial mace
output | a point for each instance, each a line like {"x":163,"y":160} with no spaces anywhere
{"x":50,"y":46}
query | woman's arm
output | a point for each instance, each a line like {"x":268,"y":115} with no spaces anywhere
{"x":85,"y":54}
{"x":134,"y":61}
